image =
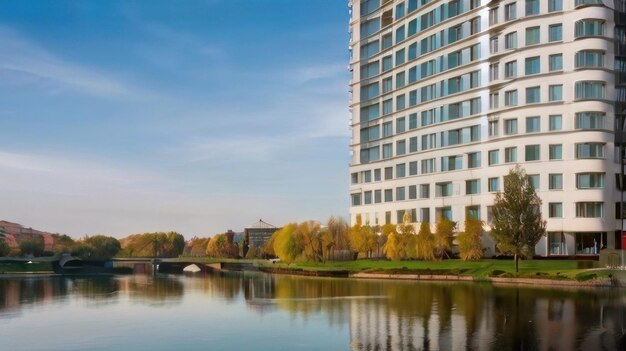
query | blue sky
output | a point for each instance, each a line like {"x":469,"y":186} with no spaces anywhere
{"x":119,"y":117}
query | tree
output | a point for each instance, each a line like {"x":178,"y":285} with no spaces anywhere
{"x":362,"y":238}
{"x":159,"y":244}
{"x":288,"y":244}
{"x":311,"y":234}
{"x":335,"y":236}
{"x":517,"y":222}
{"x":4,"y":248}
{"x":62,"y":243}
{"x":97,"y":248}
{"x":444,"y":231}
{"x":425,"y":244}
{"x":32,"y":245}
{"x":220,"y":246}
{"x":408,"y":239}
{"x":470,"y":245}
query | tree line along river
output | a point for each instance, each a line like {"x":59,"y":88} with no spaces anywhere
{"x":257,"y":311}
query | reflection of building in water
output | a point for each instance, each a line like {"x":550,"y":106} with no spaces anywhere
{"x":259,"y":292}
{"x":374,"y":325}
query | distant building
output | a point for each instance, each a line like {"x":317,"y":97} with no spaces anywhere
{"x":258,"y":234}
{"x":13,"y":233}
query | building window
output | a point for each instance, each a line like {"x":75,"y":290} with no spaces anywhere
{"x":588,"y":27}
{"x":387,"y":150}
{"x":590,"y":120}
{"x":510,"y":11}
{"x":555,"y":32}
{"x":387,"y":106}
{"x":400,"y":147}
{"x":443,"y":212}
{"x":356,"y":199}
{"x":475,"y":25}
{"x":413,"y":168}
{"x":555,"y":210}
{"x":494,"y":72}
{"x":354,"y":178}
{"x":556,"y":243}
{"x":412,"y":192}
{"x":388,"y":195}
{"x":428,"y":166}
{"x":532,"y":153}
{"x":400,"y":193}
{"x":555,"y":181}
{"x":533,"y":179}
{"x":589,"y":209}
{"x":532,"y":36}
{"x":555,"y":122}
{"x":494,"y":156}
{"x":387,"y":63}
{"x":494,"y":184}
{"x":494,"y":101}
{"x":588,"y":243}
{"x":367,"y":176}
{"x":510,"y":69}
{"x":400,"y":57}
{"x":388,"y":173}
{"x":493,"y":45}
{"x":387,"y":85}
{"x":556,"y":152}
{"x":493,"y":128}
{"x":424,"y":191}
{"x":510,"y":126}
{"x":589,"y":59}
{"x":472,"y":187}
{"x":532,"y":65}
{"x":532,"y":124}
{"x":532,"y":7}
{"x":590,"y":180}
{"x":555,"y":62}
{"x":473,"y":212}
{"x":510,"y":154}
{"x":443,"y":189}
{"x":493,"y":16}
{"x":589,"y":150}
{"x":377,"y":196}
{"x":510,"y":98}
{"x":377,"y":175}
{"x":367,"y":198}
{"x":425,"y":214}
{"x":555,"y":92}
{"x":451,"y":163}
{"x":555,"y":5}
{"x":473,"y":160}
{"x":589,"y":90}
{"x":401,"y":170}
{"x":533,"y":95}
{"x":510,"y":41}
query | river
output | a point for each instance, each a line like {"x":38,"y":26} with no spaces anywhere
{"x":256,"y":311}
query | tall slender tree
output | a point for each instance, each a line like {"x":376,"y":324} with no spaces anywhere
{"x":517,"y":222}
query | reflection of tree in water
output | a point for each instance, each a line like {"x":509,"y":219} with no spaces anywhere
{"x":151,"y":290}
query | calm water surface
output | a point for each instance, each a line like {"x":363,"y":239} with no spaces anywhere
{"x":250,"y":311}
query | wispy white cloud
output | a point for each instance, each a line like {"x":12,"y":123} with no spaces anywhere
{"x":316,"y":72}
{"x":19,"y":55}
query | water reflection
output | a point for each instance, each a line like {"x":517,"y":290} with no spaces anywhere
{"x":379,"y":315}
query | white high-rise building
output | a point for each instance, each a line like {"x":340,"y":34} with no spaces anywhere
{"x":448,"y":96}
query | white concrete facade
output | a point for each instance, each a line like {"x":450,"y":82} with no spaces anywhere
{"x":432,"y":87}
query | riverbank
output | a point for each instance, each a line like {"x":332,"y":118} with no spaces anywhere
{"x":532,"y":272}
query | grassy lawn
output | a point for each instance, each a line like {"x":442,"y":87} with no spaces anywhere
{"x":566,"y":269}
{"x":22,"y":267}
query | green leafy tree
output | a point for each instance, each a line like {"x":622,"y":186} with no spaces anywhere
{"x":4,"y":248}
{"x":32,"y":245}
{"x":469,"y":241}
{"x":517,"y":223}
{"x":62,"y":243}
{"x":444,"y":232}
{"x":425,"y":245}
{"x":97,"y":248}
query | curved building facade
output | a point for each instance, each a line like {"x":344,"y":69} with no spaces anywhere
{"x":448,"y":96}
